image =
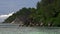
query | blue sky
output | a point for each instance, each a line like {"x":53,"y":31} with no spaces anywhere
{"x":9,"y":6}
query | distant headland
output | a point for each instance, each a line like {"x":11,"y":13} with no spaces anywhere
{"x":46,"y":13}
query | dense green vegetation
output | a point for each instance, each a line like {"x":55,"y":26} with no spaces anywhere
{"x":47,"y":12}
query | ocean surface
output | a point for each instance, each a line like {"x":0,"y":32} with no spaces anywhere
{"x":14,"y":29}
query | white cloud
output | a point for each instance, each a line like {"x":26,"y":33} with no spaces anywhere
{"x":2,"y":17}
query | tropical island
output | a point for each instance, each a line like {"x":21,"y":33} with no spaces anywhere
{"x":46,"y":13}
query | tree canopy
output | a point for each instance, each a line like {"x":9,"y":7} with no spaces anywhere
{"x":47,"y":11}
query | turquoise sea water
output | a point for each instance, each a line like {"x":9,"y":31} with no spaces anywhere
{"x":29,"y":30}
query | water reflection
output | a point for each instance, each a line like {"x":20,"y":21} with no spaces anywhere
{"x":29,"y":30}
{"x":14,"y":29}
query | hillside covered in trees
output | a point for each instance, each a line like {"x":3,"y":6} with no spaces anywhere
{"x":46,"y":12}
